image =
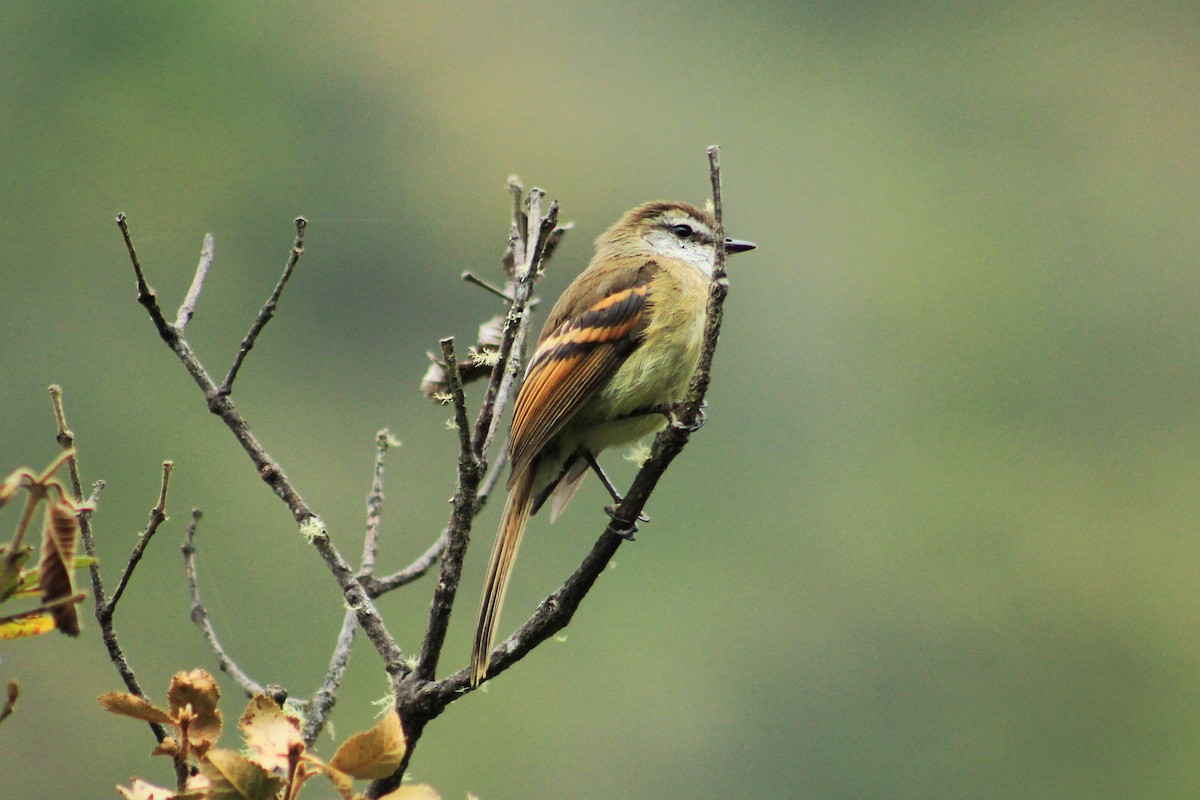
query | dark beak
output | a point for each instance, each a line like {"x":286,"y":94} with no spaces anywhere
{"x":736,"y":246}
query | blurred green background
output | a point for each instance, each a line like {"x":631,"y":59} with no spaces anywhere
{"x":939,"y":537}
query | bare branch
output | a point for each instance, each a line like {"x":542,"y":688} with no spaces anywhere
{"x":325,"y":697}
{"x":383,"y":441}
{"x":410,"y":573}
{"x":531,"y":240}
{"x":200,"y":614}
{"x":184,"y":316}
{"x":422,"y":564}
{"x":527,"y":256}
{"x":223,"y":406}
{"x":157,"y":517}
{"x":466,"y":455}
{"x":471,"y":277}
{"x":145,"y":295}
{"x":268,"y":309}
{"x":470,"y":472}
{"x":519,"y":232}
{"x":66,"y":440}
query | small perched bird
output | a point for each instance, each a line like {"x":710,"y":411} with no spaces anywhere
{"x":618,"y":348}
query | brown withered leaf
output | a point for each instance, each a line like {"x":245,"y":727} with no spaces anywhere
{"x":198,"y":690}
{"x":434,"y":382}
{"x":232,"y":776}
{"x":270,"y":733}
{"x":491,"y":332}
{"x":59,"y":535}
{"x":130,"y":705}
{"x":374,"y":753}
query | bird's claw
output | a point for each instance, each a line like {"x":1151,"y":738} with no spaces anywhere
{"x":694,"y":425}
{"x":625,"y":529}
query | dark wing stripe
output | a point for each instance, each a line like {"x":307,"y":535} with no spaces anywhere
{"x":569,"y":365}
{"x":605,"y":321}
{"x":564,"y":388}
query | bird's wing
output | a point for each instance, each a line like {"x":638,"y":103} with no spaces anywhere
{"x":574,"y":359}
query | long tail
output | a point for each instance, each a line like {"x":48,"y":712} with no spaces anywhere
{"x":504,"y":553}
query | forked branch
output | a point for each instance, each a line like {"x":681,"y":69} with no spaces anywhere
{"x":220,"y":403}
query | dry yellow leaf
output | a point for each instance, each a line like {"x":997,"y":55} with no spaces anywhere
{"x":270,"y":733}
{"x":374,"y":753}
{"x":130,"y":705}
{"x":33,"y":625}
{"x":197,"y":689}
{"x":232,"y":776}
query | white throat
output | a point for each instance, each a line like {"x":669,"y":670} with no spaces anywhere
{"x":700,"y":255}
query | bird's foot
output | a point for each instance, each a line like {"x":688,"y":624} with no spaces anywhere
{"x":672,"y":411}
{"x":624,"y":528}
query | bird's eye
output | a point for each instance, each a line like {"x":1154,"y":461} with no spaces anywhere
{"x":682,"y":231}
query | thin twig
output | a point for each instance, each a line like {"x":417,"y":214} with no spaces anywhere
{"x":466,"y":452}
{"x":105,"y":609}
{"x":268,"y":309}
{"x":157,"y":517}
{"x":471,"y":277}
{"x":189,"y":302}
{"x":66,"y":440}
{"x":423,"y":563}
{"x":519,"y":232}
{"x":375,"y":498}
{"x":718,"y":288}
{"x":272,"y":474}
{"x":145,"y":295}
{"x":525,"y":274}
{"x":69,"y":600}
{"x":325,"y":697}
{"x":200,"y":615}
{"x":402,"y":577}
{"x":470,"y":472}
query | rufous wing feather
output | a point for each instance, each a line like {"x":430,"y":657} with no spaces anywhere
{"x":571,"y":363}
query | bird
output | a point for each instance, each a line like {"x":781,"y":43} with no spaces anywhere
{"x":617,"y":351}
